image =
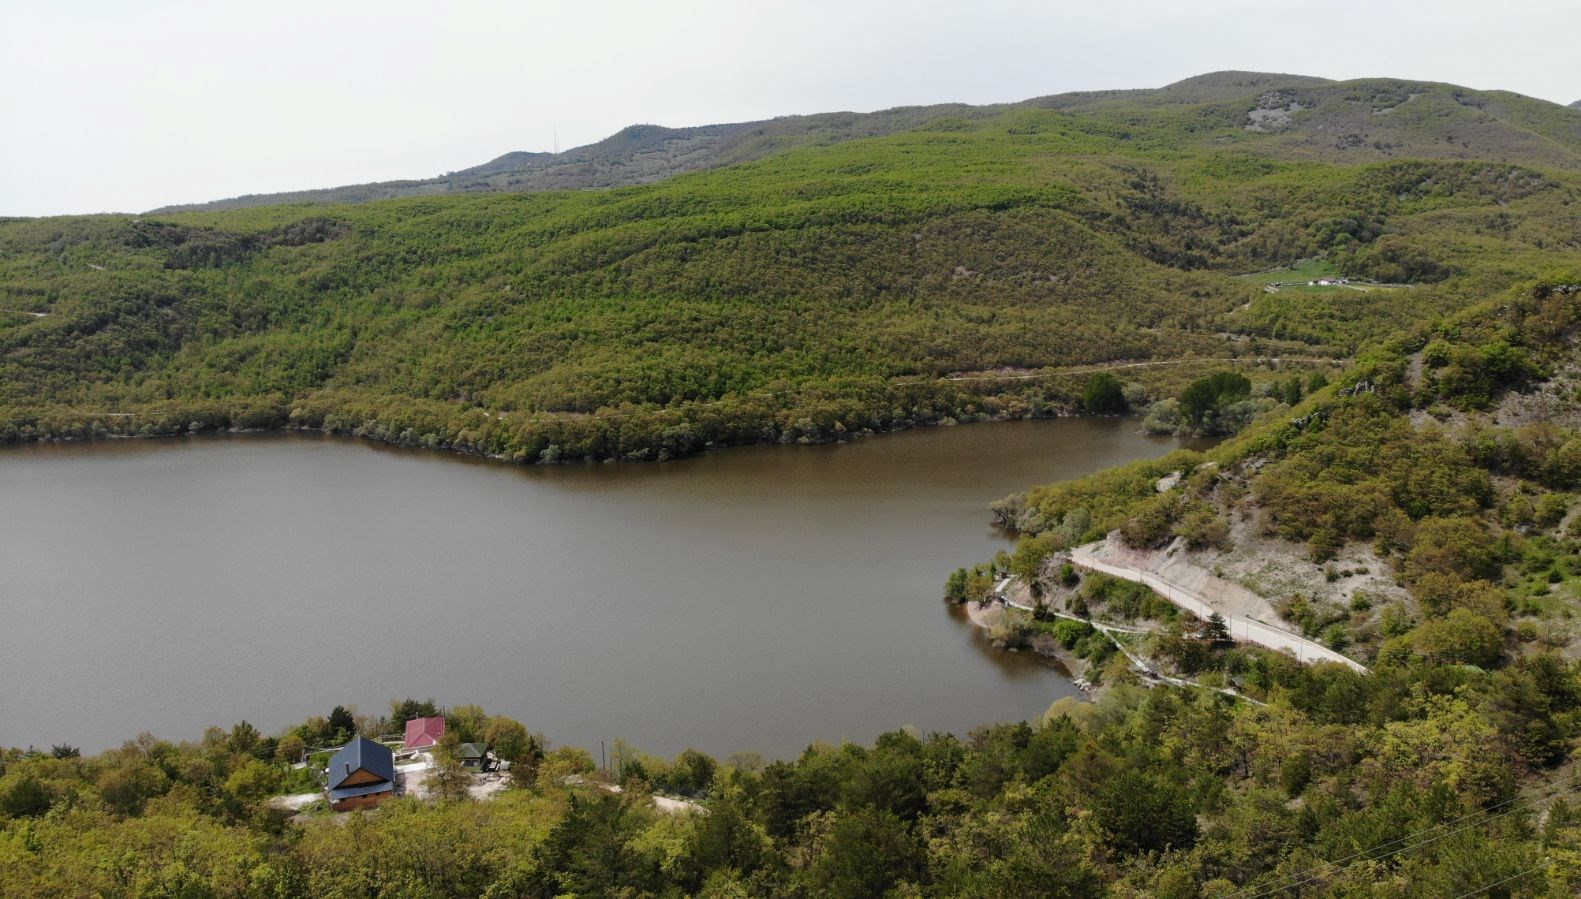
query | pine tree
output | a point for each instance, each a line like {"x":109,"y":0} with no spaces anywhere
{"x":1217,"y":631}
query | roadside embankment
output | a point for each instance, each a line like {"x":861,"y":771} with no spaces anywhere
{"x":1200,"y":592}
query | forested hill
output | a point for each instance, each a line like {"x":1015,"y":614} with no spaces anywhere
{"x":1295,"y":117}
{"x":812,"y":293}
{"x":1420,"y":514}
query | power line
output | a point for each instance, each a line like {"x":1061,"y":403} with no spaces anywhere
{"x":1484,"y":889}
{"x":1393,"y":852}
{"x":1307,"y":875}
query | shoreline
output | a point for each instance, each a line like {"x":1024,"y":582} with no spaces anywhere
{"x":454,"y":450}
{"x":469,"y":432}
{"x":986,"y":615}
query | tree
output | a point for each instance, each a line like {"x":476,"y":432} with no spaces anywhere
{"x":448,"y":780}
{"x":243,"y":737}
{"x":469,"y":722}
{"x":1458,"y":547}
{"x":510,"y":739}
{"x":315,"y":731}
{"x":291,"y":749}
{"x":955,"y":585}
{"x":863,"y":852}
{"x":342,"y":726}
{"x":404,"y":710}
{"x":1461,"y":636}
{"x":23,"y":796}
{"x":1217,"y":631}
{"x":1290,"y":393}
{"x":1205,"y":397}
{"x":1202,"y":526}
{"x":692,"y":773}
{"x":1146,"y":813}
{"x":588,"y":853}
{"x":1104,"y":395}
{"x":725,"y":838}
{"x":1445,"y":743}
{"x":127,"y":787}
{"x":253,"y":781}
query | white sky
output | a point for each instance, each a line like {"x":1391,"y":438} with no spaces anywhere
{"x":126,"y":105}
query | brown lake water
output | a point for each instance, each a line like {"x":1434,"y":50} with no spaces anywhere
{"x":753,"y":599}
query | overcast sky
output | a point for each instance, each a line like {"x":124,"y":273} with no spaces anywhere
{"x":122,"y":106}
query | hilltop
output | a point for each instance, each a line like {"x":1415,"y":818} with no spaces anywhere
{"x":638,"y":154}
{"x":1292,"y":116}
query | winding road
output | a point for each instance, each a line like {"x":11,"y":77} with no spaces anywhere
{"x":1245,"y":629}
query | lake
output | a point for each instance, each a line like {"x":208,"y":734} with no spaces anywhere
{"x":753,"y":599}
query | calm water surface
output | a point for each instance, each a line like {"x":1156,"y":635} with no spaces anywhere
{"x":755,"y":599}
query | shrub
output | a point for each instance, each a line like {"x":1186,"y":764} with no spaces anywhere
{"x":1069,"y":632}
{"x":1202,"y":527}
{"x":1163,"y":417}
{"x":1153,"y":524}
{"x":1459,"y":637}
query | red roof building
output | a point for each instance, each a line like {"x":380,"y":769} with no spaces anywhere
{"x":421,"y":733}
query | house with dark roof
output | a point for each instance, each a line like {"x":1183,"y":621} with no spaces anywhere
{"x":360,"y":775}
{"x":475,"y":756}
{"x":423,"y":733}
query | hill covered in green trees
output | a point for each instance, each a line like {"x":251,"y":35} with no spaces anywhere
{"x":814,"y":292}
{"x":1428,"y":502}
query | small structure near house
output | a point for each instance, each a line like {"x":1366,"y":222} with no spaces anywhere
{"x":423,"y":733}
{"x":476,"y":757}
{"x":360,"y":775}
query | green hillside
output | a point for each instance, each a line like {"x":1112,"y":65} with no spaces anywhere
{"x":813,"y":292}
{"x":1419,"y":514}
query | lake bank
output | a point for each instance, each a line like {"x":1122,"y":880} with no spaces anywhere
{"x":808,"y":414}
{"x":93,"y":432}
{"x":743,"y":601}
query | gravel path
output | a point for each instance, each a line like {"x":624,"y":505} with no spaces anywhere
{"x":1093,"y":557}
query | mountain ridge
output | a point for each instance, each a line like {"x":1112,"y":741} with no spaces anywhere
{"x":1299,"y":116}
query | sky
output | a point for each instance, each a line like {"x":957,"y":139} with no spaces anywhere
{"x":107,"y":105}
